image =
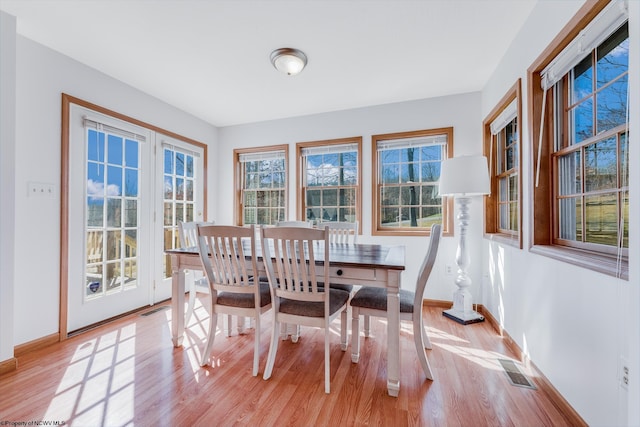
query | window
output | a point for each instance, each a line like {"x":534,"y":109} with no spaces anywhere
{"x":406,"y":167}
{"x":179,"y":183}
{"x":580,"y":96}
{"x":329,"y":180}
{"x":111,"y":209}
{"x":180,"y":189}
{"x":503,"y":216}
{"x":261,"y":185}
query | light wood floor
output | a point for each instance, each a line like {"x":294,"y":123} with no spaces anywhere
{"x":128,"y":373}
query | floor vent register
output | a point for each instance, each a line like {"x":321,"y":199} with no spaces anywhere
{"x":155,"y":310}
{"x":516,"y":377}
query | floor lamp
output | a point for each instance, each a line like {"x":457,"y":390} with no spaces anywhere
{"x":464,"y":177}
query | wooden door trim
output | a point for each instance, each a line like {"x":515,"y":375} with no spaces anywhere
{"x":67,"y":100}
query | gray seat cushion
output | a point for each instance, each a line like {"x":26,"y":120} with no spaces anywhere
{"x":342,"y":287}
{"x":245,"y":300}
{"x":347,"y":288}
{"x":337,"y":298}
{"x":376,"y":298}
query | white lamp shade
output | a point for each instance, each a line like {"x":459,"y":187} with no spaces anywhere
{"x":464,"y":176}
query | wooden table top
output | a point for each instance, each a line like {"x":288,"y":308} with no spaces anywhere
{"x":341,"y":254}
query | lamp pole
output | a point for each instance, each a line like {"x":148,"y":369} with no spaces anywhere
{"x":462,"y":310}
{"x":463,"y":177}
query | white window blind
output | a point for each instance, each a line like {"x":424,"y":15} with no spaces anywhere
{"x":602,"y":26}
{"x":505,"y":117}
{"x":397,"y":144}
{"x":261,"y":156}
{"x":180,"y":149}
{"x":329,"y":149}
{"x":92,"y":123}
{"x":610,"y":19}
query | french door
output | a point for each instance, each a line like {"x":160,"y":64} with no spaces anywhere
{"x":180,"y":192}
{"x":118,"y":185}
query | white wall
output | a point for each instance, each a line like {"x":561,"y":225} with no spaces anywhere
{"x":459,"y":111}
{"x":42,"y":76}
{"x":7,"y":172}
{"x":574,"y":324}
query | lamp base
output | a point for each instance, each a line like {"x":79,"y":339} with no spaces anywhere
{"x":462,"y":317}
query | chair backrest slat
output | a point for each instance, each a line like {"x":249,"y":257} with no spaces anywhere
{"x":427,"y":264}
{"x":290,"y":255}
{"x":223,"y":259}
{"x":188,"y":232}
{"x":342,"y":232}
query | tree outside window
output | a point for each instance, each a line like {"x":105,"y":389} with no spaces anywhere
{"x":261,"y":183}
{"x":329,"y":180}
{"x":407,"y":170}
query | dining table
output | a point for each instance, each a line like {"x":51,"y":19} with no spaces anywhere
{"x":349,"y":263}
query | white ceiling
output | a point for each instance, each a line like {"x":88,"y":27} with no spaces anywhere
{"x":211,"y":58}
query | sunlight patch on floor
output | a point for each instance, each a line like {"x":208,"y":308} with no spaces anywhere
{"x":97,"y":387}
{"x":407,"y":328}
{"x":440,"y":334}
{"x":195,"y":334}
{"x":483,"y":358}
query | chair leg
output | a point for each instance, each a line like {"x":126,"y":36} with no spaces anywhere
{"x":211,"y":334}
{"x":241,"y":324}
{"x":273,"y":349}
{"x":418,"y":330}
{"x":287,"y":329}
{"x":226,"y":325}
{"x":343,"y":330}
{"x":283,"y":331}
{"x":367,"y":324}
{"x":425,"y":338}
{"x":191,"y":304}
{"x":355,"y":334}
{"x":256,"y":345}
{"x":327,"y":368}
{"x":295,"y":333}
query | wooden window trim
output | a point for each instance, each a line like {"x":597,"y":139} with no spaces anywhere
{"x":491,"y":226}
{"x":447,"y":205}
{"x":541,"y":197}
{"x":301,"y":202}
{"x":238,"y":218}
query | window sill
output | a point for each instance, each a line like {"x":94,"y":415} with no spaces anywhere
{"x":605,"y":264}
{"x":407,"y":232}
{"x":505,"y":239}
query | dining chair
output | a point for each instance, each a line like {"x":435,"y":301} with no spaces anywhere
{"x":285,"y":329}
{"x":195,"y":280}
{"x":231,"y":281}
{"x":371,"y":301}
{"x":297,"y":264}
{"x":339,"y":232}
{"x":342,"y":232}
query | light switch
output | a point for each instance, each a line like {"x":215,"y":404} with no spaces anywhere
{"x":40,"y":189}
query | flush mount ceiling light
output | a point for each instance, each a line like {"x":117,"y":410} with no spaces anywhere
{"x":289,"y":61}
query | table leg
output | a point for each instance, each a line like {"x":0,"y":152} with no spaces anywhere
{"x":393,"y":334}
{"x":177,"y":302}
